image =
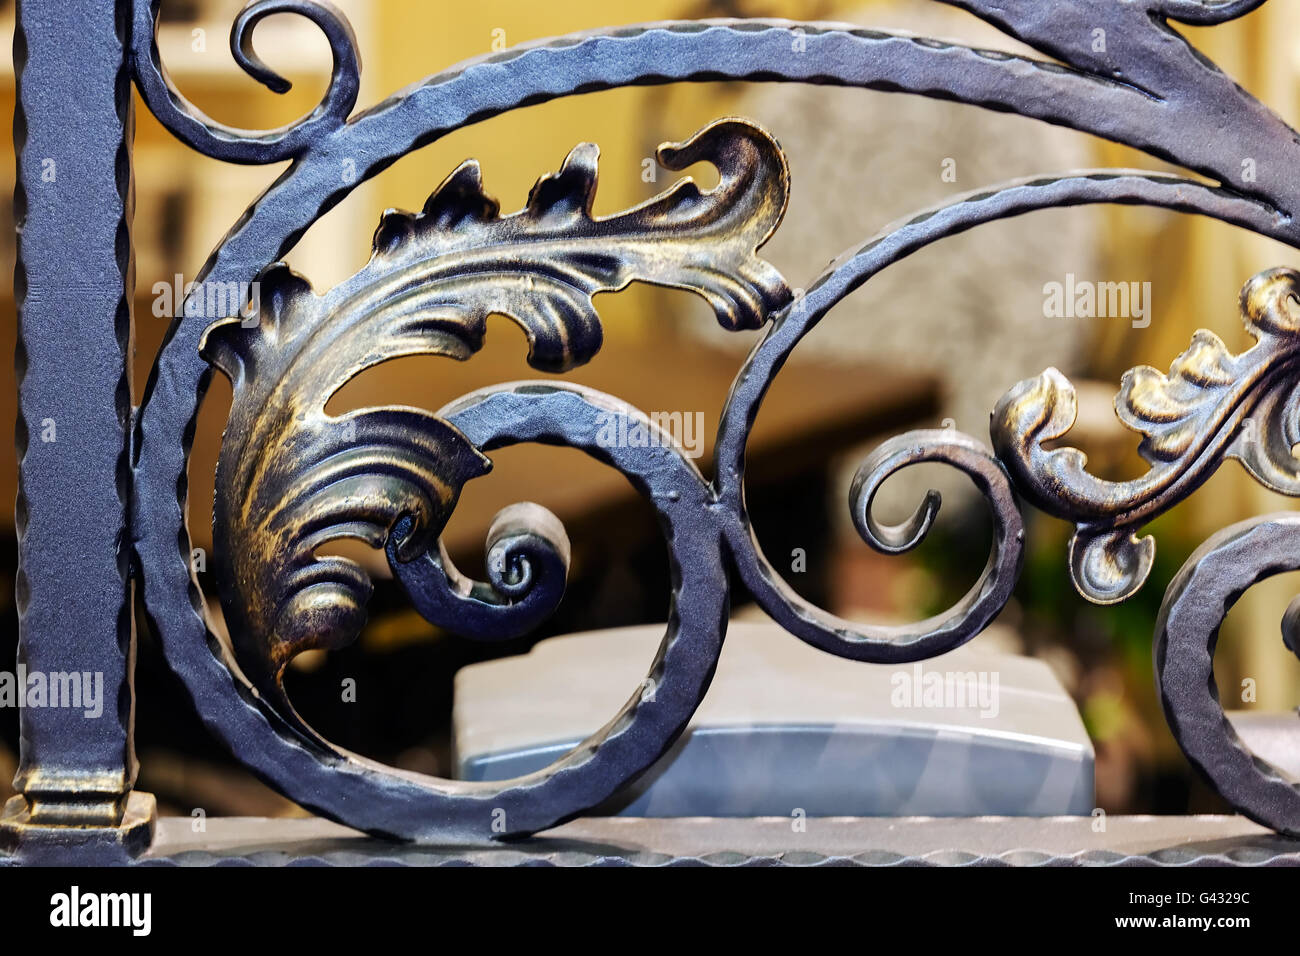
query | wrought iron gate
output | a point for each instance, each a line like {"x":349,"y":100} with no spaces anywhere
{"x":103,"y":511}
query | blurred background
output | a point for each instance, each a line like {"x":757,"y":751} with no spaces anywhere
{"x":937,"y":338}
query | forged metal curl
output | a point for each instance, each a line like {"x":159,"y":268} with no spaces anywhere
{"x":923,"y":639}
{"x":411,"y":806}
{"x":528,"y":566}
{"x":204,"y":134}
{"x":1153,"y":92}
{"x":1187,"y":632}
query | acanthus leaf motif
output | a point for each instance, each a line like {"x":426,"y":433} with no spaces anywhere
{"x":1211,"y":404}
{"x":1171,"y":411}
{"x":292,"y":478}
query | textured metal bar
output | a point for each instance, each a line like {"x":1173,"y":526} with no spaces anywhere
{"x":73,"y":286}
{"x":1145,"y":841}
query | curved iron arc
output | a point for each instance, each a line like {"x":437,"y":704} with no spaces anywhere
{"x":1187,"y":633}
{"x":991,"y":591}
{"x":758,"y":49}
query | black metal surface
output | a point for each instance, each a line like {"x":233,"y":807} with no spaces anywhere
{"x":73,"y":286}
{"x":1195,"y":605}
{"x":1150,"y":90}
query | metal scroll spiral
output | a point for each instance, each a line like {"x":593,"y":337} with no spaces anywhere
{"x":212,"y":138}
{"x":292,"y":478}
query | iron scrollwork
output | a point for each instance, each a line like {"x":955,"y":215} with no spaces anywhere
{"x":1211,"y":405}
{"x":292,"y":477}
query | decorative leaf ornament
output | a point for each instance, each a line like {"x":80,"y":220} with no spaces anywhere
{"x":292,"y":478}
{"x":1210,"y":405}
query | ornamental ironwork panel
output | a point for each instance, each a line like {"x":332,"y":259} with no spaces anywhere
{"x":292,"y":477}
